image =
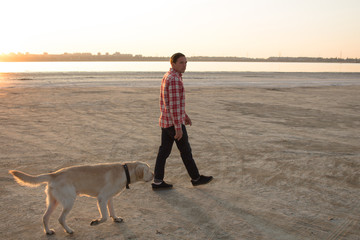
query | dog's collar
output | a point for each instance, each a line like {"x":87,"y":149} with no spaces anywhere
{"x":127,"y":176}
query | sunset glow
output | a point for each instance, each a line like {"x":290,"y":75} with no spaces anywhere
{"x":257,"y":28}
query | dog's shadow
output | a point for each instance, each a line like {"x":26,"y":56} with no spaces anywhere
{"x":103,"y":231}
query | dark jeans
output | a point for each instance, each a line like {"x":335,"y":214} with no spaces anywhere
{"x":167,"y":141}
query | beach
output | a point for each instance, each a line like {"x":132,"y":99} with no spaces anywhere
{"x":285,"y":161}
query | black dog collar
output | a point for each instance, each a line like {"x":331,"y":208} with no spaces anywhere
{"x":127,"y":176}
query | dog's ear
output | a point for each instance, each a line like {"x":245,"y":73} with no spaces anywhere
{"x":139,"y":171}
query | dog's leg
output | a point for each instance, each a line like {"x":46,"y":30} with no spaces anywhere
{"x":102,"y":201}
{"x":52,"y":203}
{"x":67,"y":206}
{"x":112,"y":212}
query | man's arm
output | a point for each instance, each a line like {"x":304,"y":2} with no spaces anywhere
{"x":175,"y":106}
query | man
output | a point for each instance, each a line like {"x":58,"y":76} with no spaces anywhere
{"x":172,"y":122}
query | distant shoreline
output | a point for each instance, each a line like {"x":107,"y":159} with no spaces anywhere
{"x":88,"y":57}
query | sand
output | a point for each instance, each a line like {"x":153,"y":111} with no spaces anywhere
{"x":285,"y":161}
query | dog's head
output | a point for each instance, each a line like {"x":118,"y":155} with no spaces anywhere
{"x":143,"y":172}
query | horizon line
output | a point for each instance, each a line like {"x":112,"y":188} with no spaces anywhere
{"x":143,"y":56}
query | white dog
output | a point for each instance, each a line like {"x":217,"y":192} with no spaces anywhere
{"x":102,"y":181}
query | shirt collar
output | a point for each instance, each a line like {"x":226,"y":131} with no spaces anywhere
{"x":177,"y":73}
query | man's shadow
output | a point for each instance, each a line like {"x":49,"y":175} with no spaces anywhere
{"x":194,"y":215}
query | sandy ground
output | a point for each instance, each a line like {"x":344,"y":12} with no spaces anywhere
{"x":285,"y":160}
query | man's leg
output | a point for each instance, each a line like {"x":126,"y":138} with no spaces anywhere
{"x":167,"y":141}
{"x":186,"y":155}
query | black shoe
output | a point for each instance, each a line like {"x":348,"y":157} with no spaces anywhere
{"x":201,"y":180}
{"x":162,"y":185}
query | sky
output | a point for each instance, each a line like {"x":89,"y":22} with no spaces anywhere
{"x":241,"y":28}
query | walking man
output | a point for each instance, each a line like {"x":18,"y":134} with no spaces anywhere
{"x":172,"y":121}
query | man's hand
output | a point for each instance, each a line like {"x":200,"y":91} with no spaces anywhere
{"x":187,"y":120}
{"x":178,"y":134}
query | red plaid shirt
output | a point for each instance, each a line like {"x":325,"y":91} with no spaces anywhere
{"x":172,"y":100}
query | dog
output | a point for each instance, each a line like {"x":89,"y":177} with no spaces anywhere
{"x":102,"y":181}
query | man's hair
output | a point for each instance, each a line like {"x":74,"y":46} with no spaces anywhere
{"x":175,"y":57}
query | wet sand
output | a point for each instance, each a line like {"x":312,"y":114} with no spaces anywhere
{"x":285,"y":161}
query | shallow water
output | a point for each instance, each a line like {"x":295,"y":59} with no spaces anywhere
{"x":153,"y":79}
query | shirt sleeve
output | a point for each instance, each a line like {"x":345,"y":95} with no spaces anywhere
{"x":175,"y":91}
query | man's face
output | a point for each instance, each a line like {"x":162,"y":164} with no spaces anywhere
{"x":180,"y":65}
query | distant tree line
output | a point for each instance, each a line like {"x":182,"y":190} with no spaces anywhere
{"x":68,"y":57}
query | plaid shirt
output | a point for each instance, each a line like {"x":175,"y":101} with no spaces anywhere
{"x":172,"y":100}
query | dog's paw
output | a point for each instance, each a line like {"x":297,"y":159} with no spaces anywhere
{"x":95,"y":222}
{"x":118,"y":220}
{"x":50,"y":232}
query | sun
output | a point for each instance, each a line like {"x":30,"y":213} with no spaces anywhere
{"x":8,"y":45}
{"x":12,"y":36}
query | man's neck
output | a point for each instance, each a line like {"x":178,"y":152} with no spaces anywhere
{"x":177,"y":72}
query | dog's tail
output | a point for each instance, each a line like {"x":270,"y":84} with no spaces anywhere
{"x":29,"y":180}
